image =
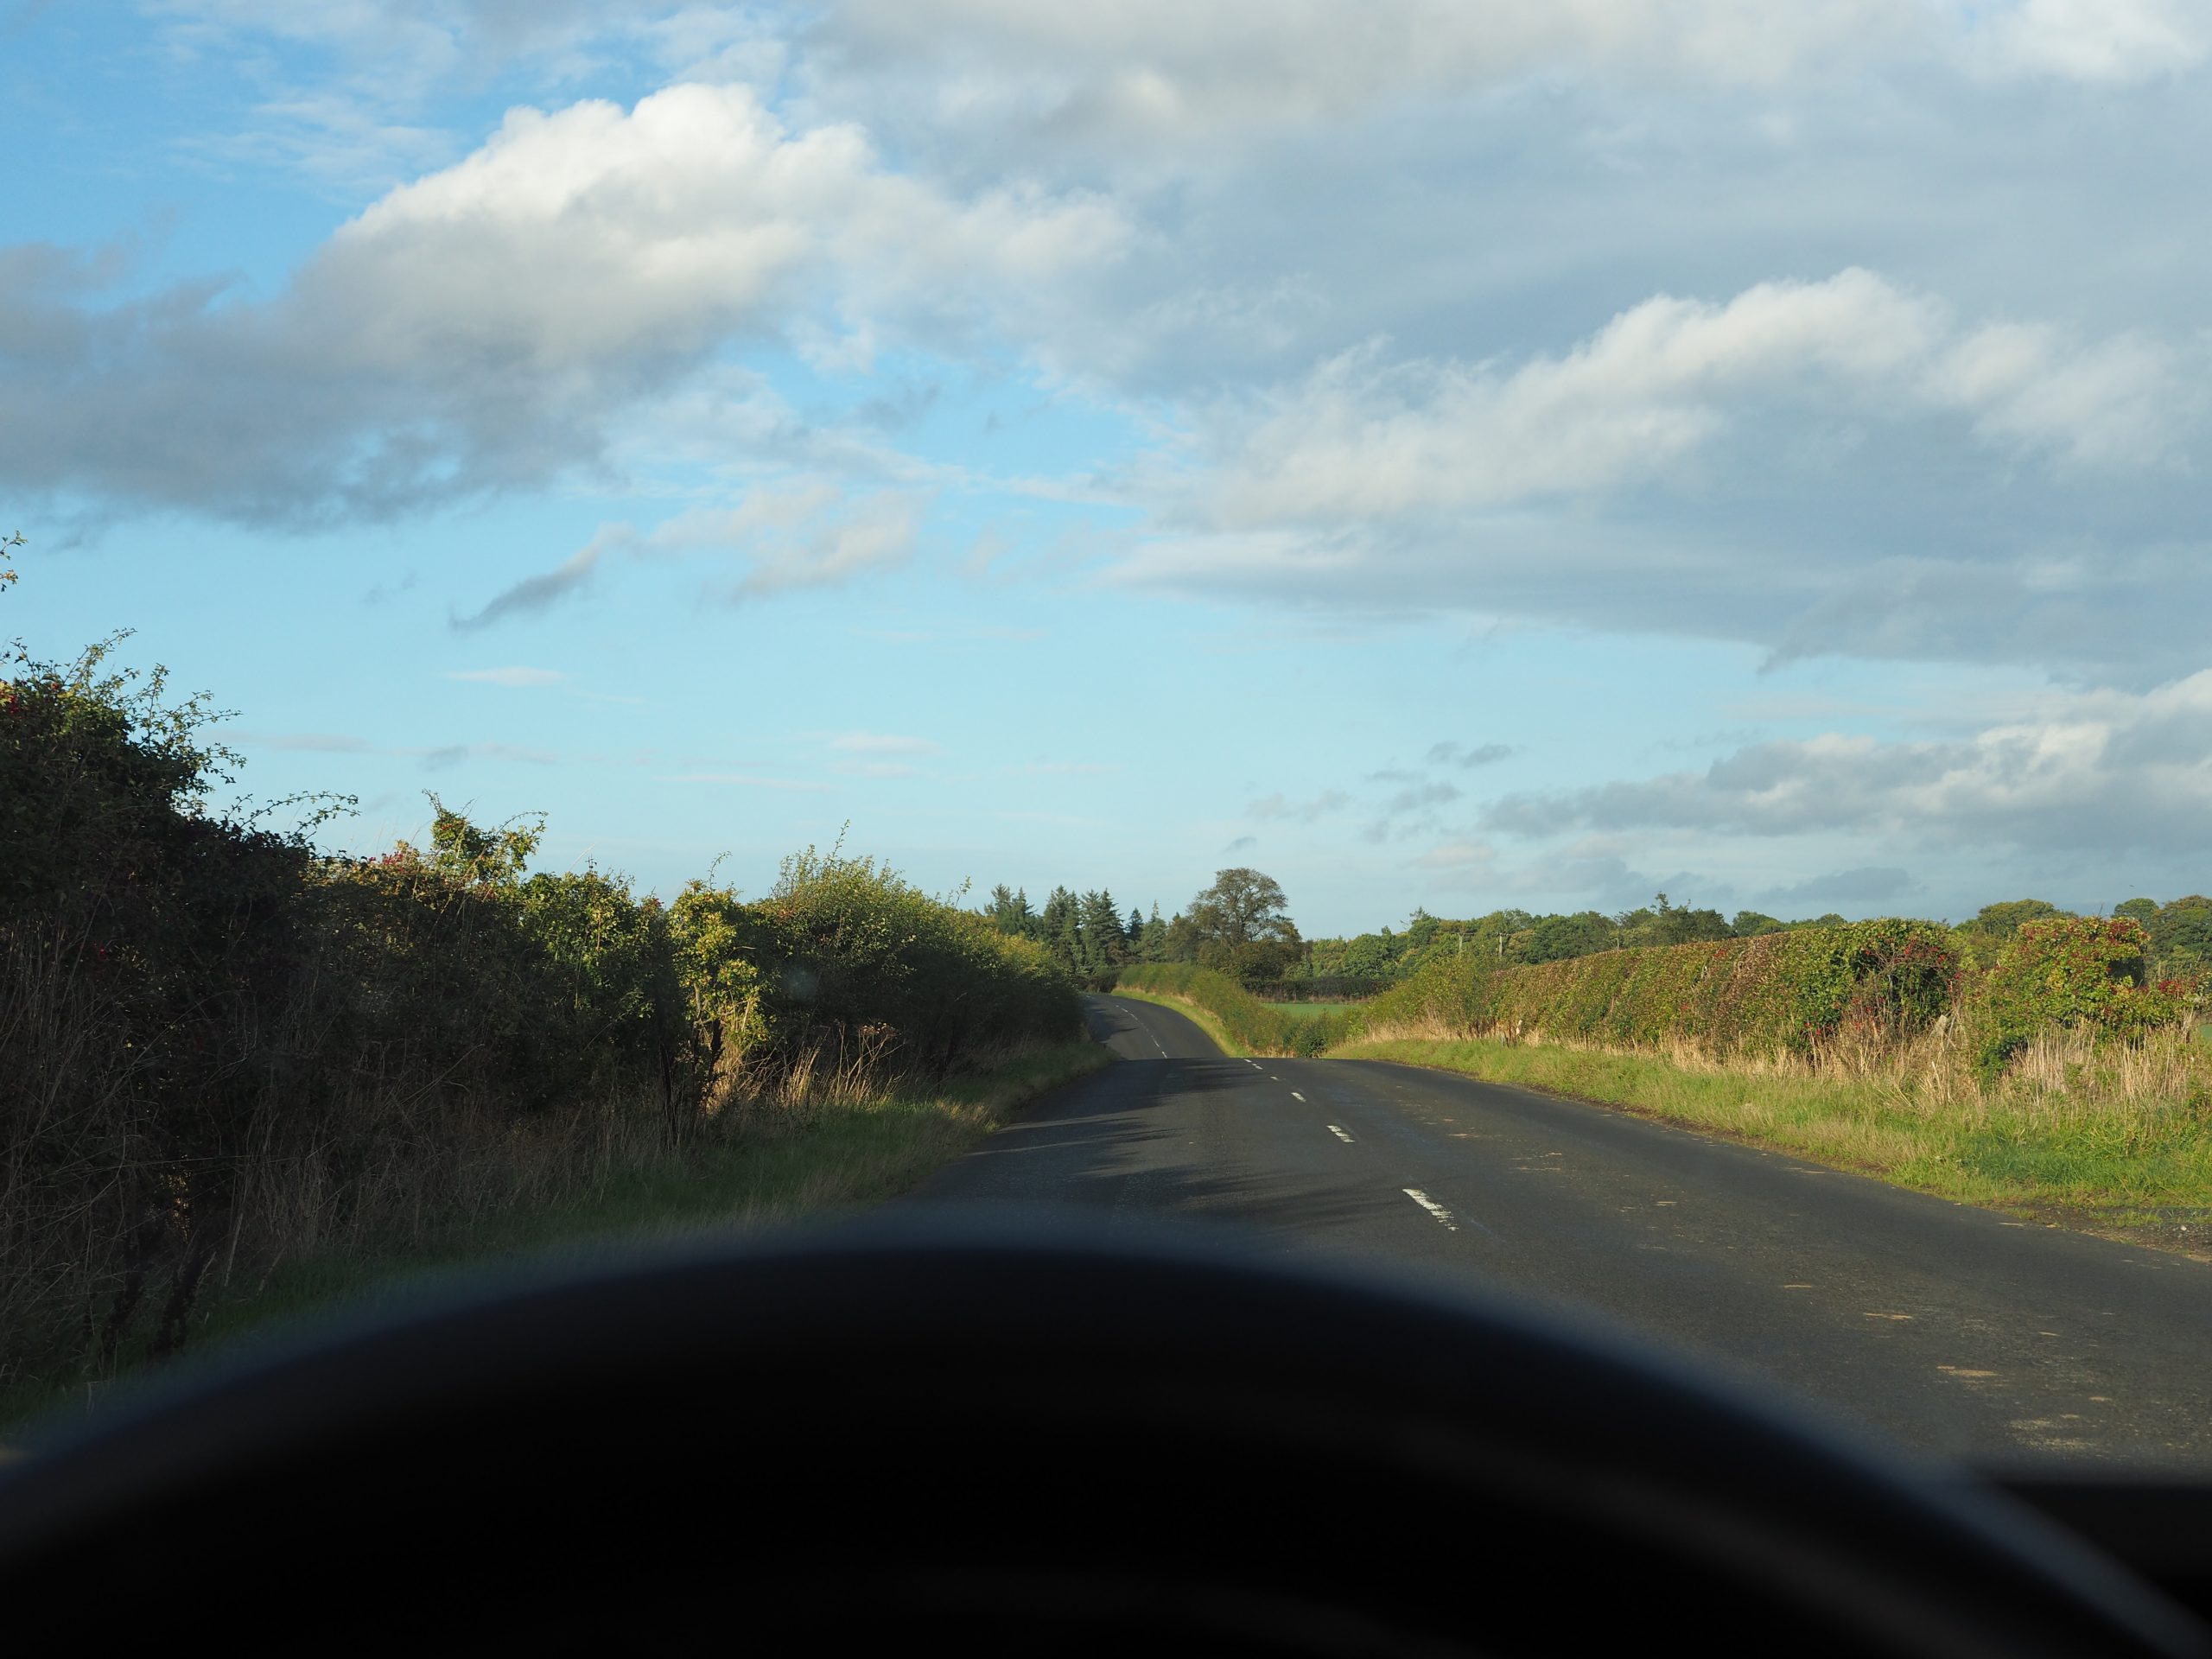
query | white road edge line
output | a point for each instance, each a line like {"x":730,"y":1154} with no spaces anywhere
{"x":1295,"y":1095}
{"x":1344,"y":1135}
{"x":1432,"y":1206}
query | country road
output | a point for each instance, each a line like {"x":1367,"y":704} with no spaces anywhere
{"x":1954,"y":1331}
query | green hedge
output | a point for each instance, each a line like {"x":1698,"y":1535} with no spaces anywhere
{"x":1257,"y":1025}
{"x":193,"y":1011}
{"x":1778,"y":992}
{"x":2075,"y":970}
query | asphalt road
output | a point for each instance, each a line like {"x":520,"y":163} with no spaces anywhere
{"x":1954,"y":1331}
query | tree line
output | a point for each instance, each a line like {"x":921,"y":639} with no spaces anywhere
{"x":1240,"y":924}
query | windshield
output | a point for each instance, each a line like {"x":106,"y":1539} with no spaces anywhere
{"x":1553,"y":648}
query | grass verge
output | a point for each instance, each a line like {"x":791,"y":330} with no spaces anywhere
{"x":2142,"y":1174}
{"x":816,"y":1161}
{"x":1196,"y":1014}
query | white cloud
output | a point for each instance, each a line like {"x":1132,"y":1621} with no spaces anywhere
{"x":2098,"y":771}
{"x":486,"y":326}
{"x":1279,"y":806}
{"x":1161,"y":70}
{"x":743,"y":780}
{"x":2115,"y":403}
{"x":2095,"y":40}
{"x":596,"y":234}
{"x":509,"y":676}
{"x":1840,"y":465}
{"x":1364,"y":437}
{"x":882,"y":743}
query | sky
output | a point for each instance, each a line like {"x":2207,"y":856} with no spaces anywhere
{"x":1507,"y":453}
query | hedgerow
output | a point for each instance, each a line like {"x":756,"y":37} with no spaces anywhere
{"x":1251,"y":1023}
{"x":1774,"y":993}
{"x":219,"y":1045}
{"x":2077,"y":970}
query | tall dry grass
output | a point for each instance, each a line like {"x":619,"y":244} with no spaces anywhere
{"x":2079,"y":1125}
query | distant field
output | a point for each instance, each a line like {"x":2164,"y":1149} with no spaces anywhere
{"x":1309,"y":1010}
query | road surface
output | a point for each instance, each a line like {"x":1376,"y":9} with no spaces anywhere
{"x":1954,"y":1330}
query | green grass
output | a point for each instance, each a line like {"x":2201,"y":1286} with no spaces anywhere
{"x":835,"y":1158}
{"x":2141,"y":1171}
{"x":1310,"y":1010}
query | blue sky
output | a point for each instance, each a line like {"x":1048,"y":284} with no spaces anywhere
{"x":1445,"y":456}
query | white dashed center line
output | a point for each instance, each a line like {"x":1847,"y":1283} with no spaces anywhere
{"x":1344,"y":1135}
{"x":1295,"y":1095}
{"x":1433,"y":1207}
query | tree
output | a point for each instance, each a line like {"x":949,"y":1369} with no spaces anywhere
{"x":1553,"y":939}
{"x":1010,"y":912}
{"x":2181,"y":937}
{"x":1371,"y":956}
{"x":2137,"y":910}
{"x":1243,"y":907}
{"x":2001,"y":921}
{"x":1242,"y":926}
{"x":1750,"y":924}
{"x":1059,"y":928}
{"x":1105,"y":944}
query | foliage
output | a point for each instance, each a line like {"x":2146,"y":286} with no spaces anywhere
{"x":1252,"y":1024}
{"x":2062,"y":971}
{"x":217,"y":1044}
{"x":2181,"y":938}
{"x":1243,"y":906}
{"x":1788,"y":990}
{"x":853,"y":956}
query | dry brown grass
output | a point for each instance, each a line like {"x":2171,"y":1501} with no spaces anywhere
{"x":2115,"y":1136}
{"x":416,"y":1182}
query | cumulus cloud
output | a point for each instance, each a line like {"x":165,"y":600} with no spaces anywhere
{"x":1756,"y":468}
{"x":480,"y":328}
{"x":1367,"y":437}
{"x":2105,"y":770}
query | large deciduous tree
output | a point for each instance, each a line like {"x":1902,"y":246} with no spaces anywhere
{"x":1243,"y":925}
